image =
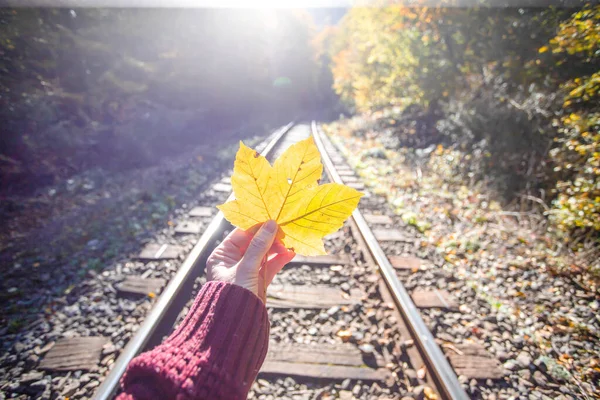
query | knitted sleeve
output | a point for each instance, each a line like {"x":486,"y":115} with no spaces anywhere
{"x":215,"y":353}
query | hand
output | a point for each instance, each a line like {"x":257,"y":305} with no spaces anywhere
{"x":249,"y":260}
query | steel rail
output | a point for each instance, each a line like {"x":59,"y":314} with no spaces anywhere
{"x":186,"y":272}
{"x":443,"y":374}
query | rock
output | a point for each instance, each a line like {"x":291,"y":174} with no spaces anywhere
{"x":419,"y":392}
{"x":356,"y":390}
{"x":491,"y":318}
{"x":587,"y":387}
{"x":375,"y":388}
{"x":540,"y":379}
{"x":372,"y":316}
{"x":375,"y":153}
{"x":525,"y":383}
{"x":109,"y":349}
{"x":524,"y":359}
{"x":525,"y":374}
{"x":70,"y":389}
{"x":92,"y":385}
{"x":511,"y":365}
{"x":346,"y":384}
{"x":39,"y":386}
{"x":93,"y":244}
{"x":358,"y":336}
{"x":488,"y":326}
{"x":540,"y":363}
{"x":31,"y":377}
{"x":502,"y":355}
{"x":313,"y":331}
{"x":345,"y":395}
{"x":19,"y":347}
{"x":289,"y":382}
{"x":366,"y":348}
{"x":46,"y":348}
{"x":333,"y":310}
{"x":411,"y":375}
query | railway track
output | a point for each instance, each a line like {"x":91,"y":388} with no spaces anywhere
{"x":342,"y":325}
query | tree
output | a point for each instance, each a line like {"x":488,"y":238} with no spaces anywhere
{"x":577,"y":150}
{"x":116,"y":88}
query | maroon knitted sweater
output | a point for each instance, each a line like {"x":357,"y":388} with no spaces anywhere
{"x":215,"y":353}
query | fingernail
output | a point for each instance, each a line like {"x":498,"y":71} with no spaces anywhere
{"x":270,"y":226}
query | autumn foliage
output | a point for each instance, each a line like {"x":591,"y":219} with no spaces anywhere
{"x":516,"y":89}
{"x":577,"y":153}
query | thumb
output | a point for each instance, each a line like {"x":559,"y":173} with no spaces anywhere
{"x":258,"y":247}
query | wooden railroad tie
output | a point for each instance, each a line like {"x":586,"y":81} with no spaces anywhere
{"x":321,"y":261}
{"x":221,"y":187}
{"x":345,"y":172}
{"x":313,"y":297}
{"x":327,"y":361}
{"x":378,"y":219}
{"x":351,"y":179}
{"x":473,"y":361}
{"x":137,"y":285}
{"x":204,"y":212}
{"x":390,"y":235}
{"x":156,"y":251}
{"x":434,"y":299}
{"x":356,"y":185}
{"x":188,"y":227}
{"x":72,"y":354}
{"x":405,"y":265}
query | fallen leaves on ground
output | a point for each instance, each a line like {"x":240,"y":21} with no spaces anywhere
{"x":344,"y":334}
{"x":289,"y":193}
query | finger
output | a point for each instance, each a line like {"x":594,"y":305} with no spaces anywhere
{"x":276,"y":264}
{"x":258,"y":247}
{"x":254,"y":228}
{"x":276,"y":248}
{"x":239,"y":238}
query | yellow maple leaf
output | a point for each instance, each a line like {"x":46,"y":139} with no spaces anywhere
{"x":289,"y":193}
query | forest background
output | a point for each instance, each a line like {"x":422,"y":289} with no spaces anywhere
{"x":514,"y":89}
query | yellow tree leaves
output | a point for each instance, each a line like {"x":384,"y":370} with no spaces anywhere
{"x":580,"y":34}
{"x":289,"y":193}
